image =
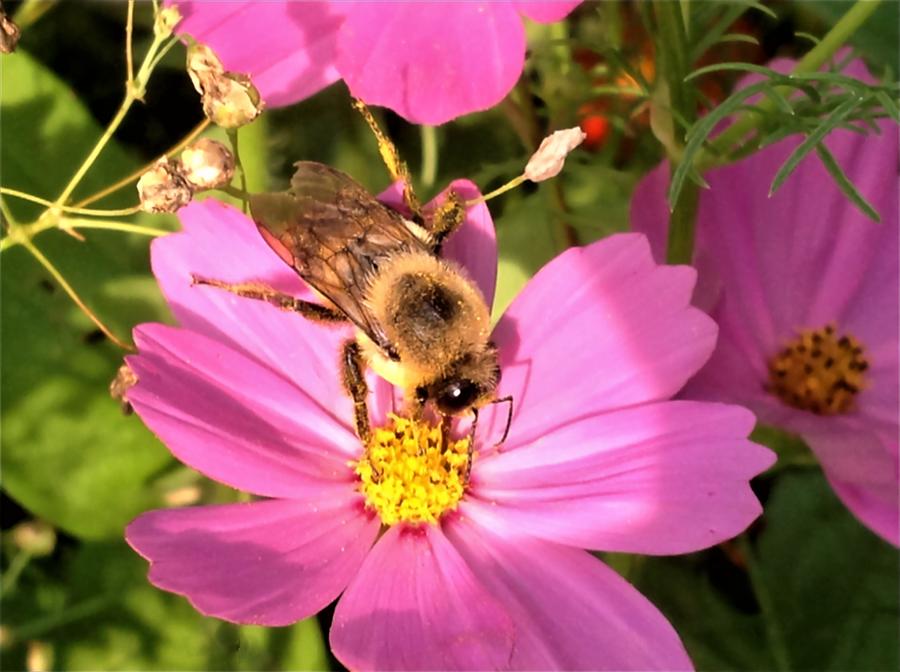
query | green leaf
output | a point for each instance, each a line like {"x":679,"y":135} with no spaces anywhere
{"x":833,"y":584}
{"x":844,"y":183}
{"x":68,"y":454}
{"x":525,"y":241}
{"x":701,"y":130}
{"x":813,"y":140}
{"x":99,"y":612}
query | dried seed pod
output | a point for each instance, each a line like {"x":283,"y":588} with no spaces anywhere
{"x":207,"y":164}
{"x":9,"y":33}
{"x":229,"y":99}
{"x":548,"y":160}
{"x":163,"y":188}
{"x":166,"y":20}
{"x":125,"y":379}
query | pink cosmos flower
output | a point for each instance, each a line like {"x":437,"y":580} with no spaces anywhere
{"x":804,"y":289}
{"x":428,"y":61}
{"x":597,"y":457}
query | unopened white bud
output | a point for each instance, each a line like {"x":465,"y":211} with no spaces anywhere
{"x":163,"y":188}
{"x":35,"y":537}
{"x":550,"y":157}
{"x":207,"y":164}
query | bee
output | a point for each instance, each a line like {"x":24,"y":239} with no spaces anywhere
{"x":421,"y":323}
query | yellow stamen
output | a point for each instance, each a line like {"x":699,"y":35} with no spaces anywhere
{"x":819,"y":372}
{"x":410,"y":473}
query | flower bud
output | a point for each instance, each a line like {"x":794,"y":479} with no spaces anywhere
{"x":35,"y":537}
{"x":163,"y":188}
{"x":548,"y":160}
{"x":9,"y":34}
{"x":166,"y":20}
{"x":38,"y":657}
{"x":207,"y":164}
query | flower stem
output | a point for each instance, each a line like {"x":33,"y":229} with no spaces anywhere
{"x":682,"y":223}
{"x":132,"y":93}
{"x":51,"y":269}
{"x":673,"y":96}
{"x":16,"y":566}
{"x":429,"y":155}
{"x":70,"y":209}
{"x":814,"y":59}
{"x":32,"y":10}
{"x":125,"y":227}
{"x":129,"y":52}
{"x":764,"y":599}
{"x":233,"y":137}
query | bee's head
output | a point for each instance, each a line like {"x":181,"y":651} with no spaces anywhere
{"x":471,"y":382}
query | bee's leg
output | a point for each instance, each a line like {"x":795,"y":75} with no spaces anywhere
{"x":471,"y":447}
{"x":446,"y":219}
{"x":391,"y":157}
{"x":355,"y":385}
{"x":257,"y":290}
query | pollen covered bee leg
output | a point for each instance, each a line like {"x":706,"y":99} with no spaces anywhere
{"x":471,"y":448}
{"x":355,"y":385}
{"x":448,"y":217}
{"x":391,"y":157}
{"x":261,"y":292}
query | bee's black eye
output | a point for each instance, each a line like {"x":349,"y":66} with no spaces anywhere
{"x":456,"y":397}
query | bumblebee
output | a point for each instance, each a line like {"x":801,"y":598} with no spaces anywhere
{"x":421,"y":323}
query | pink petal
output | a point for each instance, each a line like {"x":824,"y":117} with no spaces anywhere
{"x":571,"y":612}
{"x":671,"y":477}
{"x":415,"y":605}
{"x":598,"y":328}
{"x":864,"y":470}
{"x":271,"y":562}
{"x":287,"y":48}
{"x":546,"y":12}
{"x":221,"y":243}
{"x":431,"y":62}
{"x":233,"y":419}
{"x":474,"y":245}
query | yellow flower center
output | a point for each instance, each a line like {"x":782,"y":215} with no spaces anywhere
{"x":819,"y":372}
{"x":411,"y":473}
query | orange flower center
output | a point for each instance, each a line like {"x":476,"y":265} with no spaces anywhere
{"x":819,"y":371}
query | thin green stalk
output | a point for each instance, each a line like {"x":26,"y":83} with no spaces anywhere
{"x":70,"y":209}
{"x":32,"y":10}
{"x":429,"y":155}
{"x":16,"y":566}
{"x":775,"y":636}
{"x":233,"y":137}
{"x":68,"y":289}
{"x":132,"y":93}
{"x":125,"y":227}
{"x":74,"y":613}
{"x":129,"y":52}
{"x":814,"y":59}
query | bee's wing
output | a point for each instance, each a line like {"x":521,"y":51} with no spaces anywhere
{"x":334,"y":233}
